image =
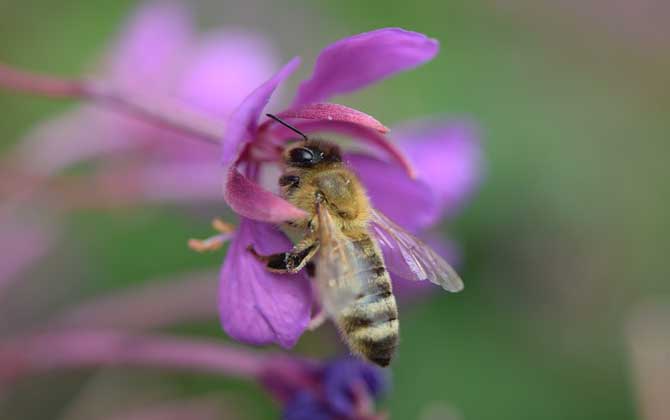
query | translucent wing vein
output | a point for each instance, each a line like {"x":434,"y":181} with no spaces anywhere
{"x":409,"y":257}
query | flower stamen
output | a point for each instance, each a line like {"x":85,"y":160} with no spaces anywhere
{"x":215,"y":242}
{"x":222,"y":227}
{"x":212,"y":243}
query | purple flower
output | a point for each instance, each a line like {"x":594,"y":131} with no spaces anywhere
{"x":340,"y":389}
{"x":259,"y":307}
{"x":160,"y":58}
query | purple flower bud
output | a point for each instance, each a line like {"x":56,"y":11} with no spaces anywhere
{"x":343,"y":380}
{"x":341,"y":389}
{"x":306,"y":406}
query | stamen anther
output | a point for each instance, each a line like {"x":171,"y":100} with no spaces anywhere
{"x":206,"y":245}
{"x":215,"y":242}
{"x":221,"y":226}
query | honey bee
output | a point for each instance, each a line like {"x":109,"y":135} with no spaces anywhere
{"x":340,"y":243}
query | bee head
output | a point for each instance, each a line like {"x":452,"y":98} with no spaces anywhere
{"x":311,"y":153}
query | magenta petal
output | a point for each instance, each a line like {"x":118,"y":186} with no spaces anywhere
{"x":151,"y":46}
{"x":334,"y":112}
{"x":257,"y":306}
{"x":250,"y":200}
{"x":224,"y":68}
{"x":243,"y":123}
{"x":357,"y":61}
{"x":410,"y":203}
{"x":448,"y":158}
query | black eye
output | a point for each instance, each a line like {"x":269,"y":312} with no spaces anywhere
{"x":301,"y":155}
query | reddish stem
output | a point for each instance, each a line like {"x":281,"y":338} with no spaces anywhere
{"x":47,"y":352}
{"x":162,"y":113}
{"x":43,"y":85}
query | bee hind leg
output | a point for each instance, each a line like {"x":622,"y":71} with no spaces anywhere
{"x":287,"y":262}
{"x":317,"y":319}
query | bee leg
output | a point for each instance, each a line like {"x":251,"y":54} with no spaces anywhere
{"x":317,"y":320}
{"x":310,"y":268}
{"x":287,"y":262}
{"x":289,"y":181}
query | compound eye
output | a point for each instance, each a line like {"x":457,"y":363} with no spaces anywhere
{"x":301,"y":155}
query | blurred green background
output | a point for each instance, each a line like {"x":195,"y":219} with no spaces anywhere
{"x":568,"y":234}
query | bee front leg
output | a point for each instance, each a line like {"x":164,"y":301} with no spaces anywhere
{"x":288,"y":262}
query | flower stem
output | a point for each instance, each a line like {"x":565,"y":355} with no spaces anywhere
{"x":163,"y":112}
{"x":41,"y":353}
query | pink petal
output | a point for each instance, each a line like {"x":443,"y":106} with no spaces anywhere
{"x":360,"y":60}
{"x":31,"y":354}
{"x":256,"y":306}
{"x":410,"y":203}
{"x":179,"y":182}
{"x":364,"y":134}
{"x":66,"y":140}
{"x":151,"y":46}
{"x":243,"y":123}
{"x":224,"y":68}
{"x":250,"y":200}
{"x":22,"y":244}
{"x":448,"y":157}
{"x":334,"y":112}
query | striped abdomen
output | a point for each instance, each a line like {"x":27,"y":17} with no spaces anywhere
{"x":370,"y":324}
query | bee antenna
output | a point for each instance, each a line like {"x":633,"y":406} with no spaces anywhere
{"x":287,"y":125}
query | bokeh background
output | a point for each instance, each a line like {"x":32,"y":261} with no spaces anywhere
{"x":564,"y":246}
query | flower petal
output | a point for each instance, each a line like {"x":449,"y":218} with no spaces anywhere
{"x":23,"y":244}
{"x":357,"y":61}
{"x":342,"y":376}
{"x":250,"y":200}
{"x":224,"y":68}
{"x":66,"y":140}
{"x":334,"y":112}
{"x":242,"y":124}
{"x":151,"y":47}
{"x":410,"y":203}
{"x":306,"y":405}
{"x":178,"y":182}
{"x":448,"y":157}
{"x":256,"y":306}
{"x":359,"y":132}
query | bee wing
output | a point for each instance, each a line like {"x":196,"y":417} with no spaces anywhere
{"x":340,"y":272}
{"x":417,"y":260}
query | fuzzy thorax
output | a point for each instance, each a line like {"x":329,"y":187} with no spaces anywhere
{"x":336,"y":187}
